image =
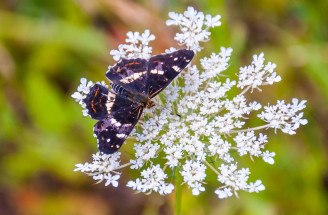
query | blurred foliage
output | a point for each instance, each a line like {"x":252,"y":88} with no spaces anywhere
{"x":47,"y":46}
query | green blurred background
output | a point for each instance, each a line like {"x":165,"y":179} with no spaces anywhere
{"x":47,"y":46}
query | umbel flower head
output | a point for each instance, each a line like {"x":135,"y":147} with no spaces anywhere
{"x":198,"y":130}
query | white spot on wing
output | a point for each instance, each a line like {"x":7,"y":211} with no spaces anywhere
{"x":127,"y":80}
{"x":176,"y":68}
{"x":110,"y":100}
{"x":138,"y":75}
{"x":155,"y":71}
{"x":175,"y":59}
{"x":111,"y":95}
{"x":133,"y":77}
{"x":109,"y":105}
{"x":114,"y":122}
{"x":120,"y":135}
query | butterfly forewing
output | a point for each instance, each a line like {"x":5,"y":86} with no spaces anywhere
{"x":129,"y":74}
{"x":162,"y":69}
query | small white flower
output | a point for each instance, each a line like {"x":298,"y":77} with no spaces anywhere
{"x":223,"y":193}
{"x":170,"y":50}
{"x":81,"y":167}
{"x":118,"y":54}
{"x":256,"y":187}
{"x":146,"y":37}
{"x":78,"y":96}
{"x":111,"y":180}
{"x":212,"y":22}
{"x":82,"y":90}
{"x":135,"y":185}
{"x":197,"y":188}
{"x":268,"y":157}
{"x":133,"y":37}
{"x":175,"y":18}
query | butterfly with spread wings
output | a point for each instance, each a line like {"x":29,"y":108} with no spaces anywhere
{"x":134,"y":83}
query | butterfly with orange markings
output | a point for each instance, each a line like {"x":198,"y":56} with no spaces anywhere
{"x":134,"y":83}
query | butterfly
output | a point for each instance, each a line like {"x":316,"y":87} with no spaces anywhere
{"x":134,"y":83}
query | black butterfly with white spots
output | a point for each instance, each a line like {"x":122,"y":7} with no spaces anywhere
{"x":134,"y":83}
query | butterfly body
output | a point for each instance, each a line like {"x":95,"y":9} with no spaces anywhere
{"x":140,"y":98}
{"x":134,"y":83}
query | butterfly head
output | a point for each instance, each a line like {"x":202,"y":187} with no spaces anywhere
{"x":150,"y":104}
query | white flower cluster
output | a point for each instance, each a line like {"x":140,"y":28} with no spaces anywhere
{"x":284,"y":116}
{"x":188,"y":134}
{"x":231,"y":177}
{"x":102,"y":168}
{"x":193,"y":173}
{"x":153,"y":180}
{"x":191,"y":24}
{"x":137,"y":46}
{"x":257,"y":73}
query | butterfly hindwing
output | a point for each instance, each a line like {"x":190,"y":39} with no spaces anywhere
{"x":96,"y":101}
{"x":100,"y":102}
{"x":111,"y":132}
{"x":129,"y":74}
{"x":117,"y":117}
{"x":162,"y":69}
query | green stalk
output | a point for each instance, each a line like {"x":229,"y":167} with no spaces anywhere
{"x":178,"y":193}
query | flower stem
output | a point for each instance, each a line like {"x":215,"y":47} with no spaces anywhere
{"x":124,"y":165}
{"x":211,"y":167}
{"x":250,"y":129}
{"x":178,"y":193}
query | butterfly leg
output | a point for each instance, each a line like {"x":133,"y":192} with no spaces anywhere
{"x":154,"y":116}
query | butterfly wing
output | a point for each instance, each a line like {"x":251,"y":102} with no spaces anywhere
{"x":129,"y":74}
{"x":96,"y":101}
{"x":117,"y":117}
{"x":162,"y":69}
{"x":112,"y":131}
